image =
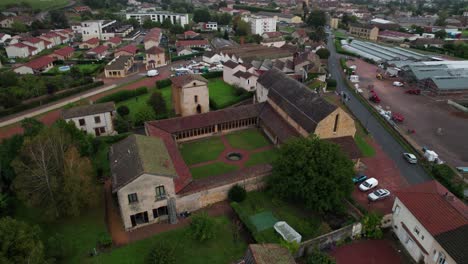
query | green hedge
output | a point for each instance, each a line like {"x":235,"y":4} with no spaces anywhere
{"x":210,"y":75}
{"x":163,"y":83}
{"x":50,"y":99}
{"x":242,"y":97}
{"x":245,"y":219}
{"x":184,"y":57}
{"x":256,"y":9}
{"x":445,"y":175}
{"x":122,"y":95}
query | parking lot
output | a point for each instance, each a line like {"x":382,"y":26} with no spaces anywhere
{"x":436,"y":125}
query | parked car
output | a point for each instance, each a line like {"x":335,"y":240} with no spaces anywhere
{"x":368,"y":184}
{"x":378,"y":194}
{"x":411,"y":158}
{"x":398,"y":84}
{"x":359,"y":178}
{"x":152,"y":73}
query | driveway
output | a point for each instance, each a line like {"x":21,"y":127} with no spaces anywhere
{"x":412,"y":174}
{"x":438,"y":126}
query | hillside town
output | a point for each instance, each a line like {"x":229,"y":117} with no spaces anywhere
{"x":237,"y":132}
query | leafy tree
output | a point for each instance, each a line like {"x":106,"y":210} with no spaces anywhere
{"x":51,"y":174}
{"x":58,"y":19}
{"x":441,"y":34}
{"x":20,"y":243}
{"x":314,"y":172}
{"x":318,"y":35}
{"x":417,"y":29}
{"x":161,"y":253}
{"x":201,"y":15}
{"x":123,"y":110}
{"x":132,"y":21}
{"x":318,"y":257}
{"x":8,"y":79}
{"x":226,"y":35}
{"x":143,"y":115}
{"x":166,"y":23}
{"x":371,"y":225}
{"x":202,"y":227}
{"x":157,"y":102}
{"x":122,"y":125}
{"x":347,"y":19}
{"x":57,"y":248}
{"x":19,"y":27}
{"x":148,"y":23}
{"x":242,"y":28}
{"x":317,"y":18}
{"x":177,"y":29}
{"x":237,"y":193}
{"x":76,"y":73}
{"x":9,"y":148}
{"x":323,"y":53}
{"x":31,"y":126}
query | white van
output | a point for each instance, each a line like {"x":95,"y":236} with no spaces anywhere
{"x":152,"y":73}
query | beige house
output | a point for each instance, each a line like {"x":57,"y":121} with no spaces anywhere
{"x":35,"y":42}
{"x":119,"y":67}
{"x":20,"y":50}
{"x":152,"y":38}
{"x":190,"y":95}
{"x":241,"y":75}
{"x":364,"y":31}
{"x":94,"y":119}
{"x":154,"y":58}
{"x":6,"y":22}
{"x":334,"y":21}
{"x":39,"y":65}
{"x":431,"y":223}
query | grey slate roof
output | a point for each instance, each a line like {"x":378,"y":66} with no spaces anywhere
{"x":230,"y":64}
{"x":299,"y":102}
{"x":86,"y":110}
{"x":455,"y":242}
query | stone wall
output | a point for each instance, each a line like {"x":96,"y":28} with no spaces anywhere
{"x":345,"y":126}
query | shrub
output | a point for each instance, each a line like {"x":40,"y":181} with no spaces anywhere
{"x":57,"y":247}
{"x":237,"y":193}
{"x":445,"y":175}
{"x":331,"y":83}
{"x":318,"y":257}
{"x":371,"y":225}
{"x":210,"y":75}
{"x":213,"y":104}
{"x":104,"y":240}
{"x":292,"y":246}
{"x":144,"y":115}
{"x":122,"y":95}
{"x":163,"y":83}
{"x":323,"y":53}
{"x":202,"y":227}
{"x":184,"y":57}
{"x":122,"y":125}
{"x":156,"y":101}
{"x":161,"y":253}
{"x":123,"y":110}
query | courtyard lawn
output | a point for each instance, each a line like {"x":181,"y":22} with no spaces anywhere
{"x":264,"y":157}
{"x":213,"y":169}
{"x":249,"y":139}
{"x":223,"y":248}
{"x":223,"y":94}
{"x":38,"y":4}
{"x":201,"y":150}
{"x":339,"y":34}
{"x":139,"y":103}
{"x":305,"y":223}
{"x":366,"y":149}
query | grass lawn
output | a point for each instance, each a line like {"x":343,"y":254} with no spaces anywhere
{"x":263,"y":157}
{"x":305,"y":223}
{"x":366,"y":149}
{"x":86,"y":69}
{"x":465,"y":33}
{"x":138,"y":103}
{"x":315,"y":84}
{"x":223,"y":248}
{"x":38,"y":4}
{"x":80,"y":233}
{"x":222,"y":93}
{"x":217,"y":168}
{"x":201,"y":150}
{"x":247,"y":139}
{"x":339,"y":34}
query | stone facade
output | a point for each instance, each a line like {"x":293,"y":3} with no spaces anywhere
{"x":192,"y":98}
{"x":96,"y":124}
{"x":364,"y":32}
{"x":337,"y":124}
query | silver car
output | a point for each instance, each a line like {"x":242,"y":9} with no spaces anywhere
{"x":411,"y":158}
{"x":378,"y":194}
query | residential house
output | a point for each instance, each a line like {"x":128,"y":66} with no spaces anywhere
{"x":273,"y":39}
{"x":190,"y":34}
{"x":41,"y":64}
{"x":181,"y":51}
{"x":113,"y":42}
{"x":64,"y":53}
{"x":190,"y":95}
{"x":211,"y":57}
{"x":262,"y":24}
{"x":98,"y":52}
{"x":334,"y":21}
{"x":155,"y":57}
{"x":431,"y":223}
{"x":66,"y":35}
{"x":208,"y":26}
{"x":242,"y":75}
{"x":119,"y":67}
{"x":300,"y":35}
{"x":129,"y":50}
{"x":20,"y":50}
{"x":81,"y":9}
{"x":34,"y":42}
{"x":203,"y":43}
{"x":428,"y":42}
{"x":95,"y":119}
{"x":152,"y":38}
{"x":396,"y":36}
{"x":52,"y":37}
{"x":91,"y":29}
{"x":89,"y":44}
{"x":282,"y":17}
{"x":364,"y":31}
{"x":4,"y":37}
{"x":6,"y":22}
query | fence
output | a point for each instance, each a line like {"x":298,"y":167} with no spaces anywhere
{"x":325,"y":241}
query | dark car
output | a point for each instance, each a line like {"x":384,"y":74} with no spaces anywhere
{"x":359,"y":178}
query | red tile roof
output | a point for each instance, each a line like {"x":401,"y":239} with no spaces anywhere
{"x":92,"y":41}
{"x":190,"y":33}
{"x":434,"y":206}
{"x":183,"y":172}
{"x":189,"y":43}
{"x":39,"y":63}
{"x":32,"y":40}
{"x":65,"y":51}
{"x":180,"y":81}
{"x":132,"y":49}
{"x":115,"y":40}
{"x":99,"y":49}
{"x":155,"y":50}
{"x":301,"y":32}
{"x":22,"y":45}
{"x":153,"y":34}
{"x":273,"y":34}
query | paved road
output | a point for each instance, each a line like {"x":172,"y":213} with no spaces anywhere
{"x":413,"y":173}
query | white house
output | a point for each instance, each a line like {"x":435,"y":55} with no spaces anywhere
{"x":242,"y":75}
{"x":4,"y":37}
{"x":95,"y":119}
{"x":210,"y":26}
{"x":20,"y":50}
{"x":159,"y":16}
{"x":262,"y":24}
{"x":96,"y":29}
{"x":431,"y":223}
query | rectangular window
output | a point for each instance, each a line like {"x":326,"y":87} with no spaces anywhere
{"x":82,"y":122}
{"x":335,"y":126}
{"x":196,"y":98}
{"x":132,"y":198}
{"x":416,"y":230}
{"x":160,"y":192}
{"x":97,"y":119}
{"x":397,"y":210}
{"x":102,"y":130}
